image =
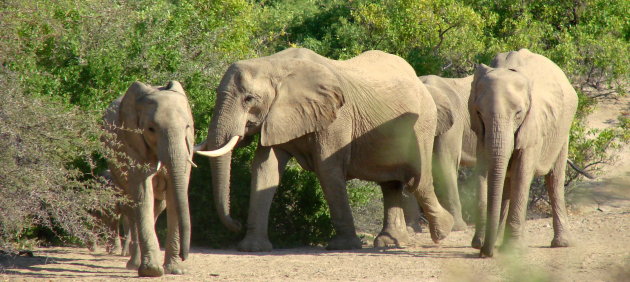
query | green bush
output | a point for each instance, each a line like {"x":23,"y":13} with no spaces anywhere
{"x":47,"y":178}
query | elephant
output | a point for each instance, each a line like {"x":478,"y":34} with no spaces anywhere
{"x":521,"y":109}
{"x":152,"y":126}
{"x":452,"y":148}
{"x":355,"y":119}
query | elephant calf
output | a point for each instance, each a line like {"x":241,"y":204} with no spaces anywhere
{"x":521,"y":109}
{"x":153,"y":126}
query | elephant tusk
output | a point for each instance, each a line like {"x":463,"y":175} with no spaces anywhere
{"x":192,"y":163}
{"x":159,"y":165}
{"x":200,"y":147}
{"x":221,"y":151}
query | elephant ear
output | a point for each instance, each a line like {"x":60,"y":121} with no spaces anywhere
{"x":475,"y":122}
{"x":445,"y":117}
{"x":128,"y":119}
{"x":542,"y":118}
{"x":307,"y":99}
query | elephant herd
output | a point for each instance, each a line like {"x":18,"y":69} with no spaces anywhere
{"x":369,"y":118}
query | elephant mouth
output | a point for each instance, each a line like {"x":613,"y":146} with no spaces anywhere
{"x":218,"y":152}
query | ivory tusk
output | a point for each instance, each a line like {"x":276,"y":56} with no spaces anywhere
{"x":192,"y":163}
{"x":221,"y":151}
{"x":159,"y":165}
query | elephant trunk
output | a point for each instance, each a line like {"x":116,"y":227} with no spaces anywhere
{"x":176,"y":159}
{"x":221,"y":167}
{"x":220,"y":131}
{"x":499,"y":143}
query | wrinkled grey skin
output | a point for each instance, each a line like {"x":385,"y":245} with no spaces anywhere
{"x":358,"y":118}
{"x":154,"y":125}
{"x":451,"y":149}
{"x":521,"y":109}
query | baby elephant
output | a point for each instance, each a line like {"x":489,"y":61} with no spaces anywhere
{"x":521,"y":109}
{"x":152,"y":127}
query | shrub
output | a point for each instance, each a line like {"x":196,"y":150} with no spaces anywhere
{"x":47,"y":183}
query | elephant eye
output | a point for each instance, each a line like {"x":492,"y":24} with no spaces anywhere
{"x":249,"y":98}
{"x":151,"y":129}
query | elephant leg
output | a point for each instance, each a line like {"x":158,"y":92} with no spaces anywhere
{"x":555,"y":189}
{"x":267,"y":167}
{"x":412,"y":213}
{"x":440,"y":220}
{"x":521,"y":175}
{"x":505,"y":205}
{"x":172,"y":262}
{"x":394,"y":232}
{"x":126,"y":240}
{"x":334,"y":185}
{"x":481,"y":186}
{"x":158,"y":207}
{"x":134,"y":246}
{"x":145,"y":222}
{"x":445,"y":181}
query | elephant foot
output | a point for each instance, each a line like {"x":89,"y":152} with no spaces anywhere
{"x":150,"y":270}
{"x":391,"y":239}
{"x":486,"y":251}
{"x":252,"y":244}
{"x":560,"y":242}
{"x":344,"y":243}
{"x":459,"y":225}
{"x":477,"y":242}
{"x":114,"y":248}
{"x":440,"y":225}
{"x":175,"y":268}
{"x":133,"y":264}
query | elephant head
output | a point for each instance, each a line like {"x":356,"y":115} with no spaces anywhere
{"x":157,"y":128}
{"x":501,"y":116}
{"x":280,"y":97}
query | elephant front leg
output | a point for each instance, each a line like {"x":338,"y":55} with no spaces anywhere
{"x":445,"y":183}
{"x":334,"y":186}
{"x":555,"y":189}
{"x":521,"y":175}
{"x":267,"y":167}
{"x":147,"y":239}
{"x":394,"y":232}
{"x":172,"y":262}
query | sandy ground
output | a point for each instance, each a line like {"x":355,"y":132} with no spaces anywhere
{"x":600,"y":224}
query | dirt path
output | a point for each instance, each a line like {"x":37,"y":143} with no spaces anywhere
{"x":601,"y":252}
{"x":600,"y":220}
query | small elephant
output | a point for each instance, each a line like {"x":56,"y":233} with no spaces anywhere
{"x":368,"y":118}
{"x":452,"y":148}
{"x":153,"y":126}
{"x":521,"y":109}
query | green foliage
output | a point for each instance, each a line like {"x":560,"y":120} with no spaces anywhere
{"x":47,"y":183}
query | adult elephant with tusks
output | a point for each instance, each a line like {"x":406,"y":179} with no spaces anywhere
{"x":360,"y":118}
{"x":521,"y":109}
{"x":153,"y":135}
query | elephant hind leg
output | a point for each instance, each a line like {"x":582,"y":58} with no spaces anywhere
{"x":394,"y":232}
{"x":555,"y":188}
